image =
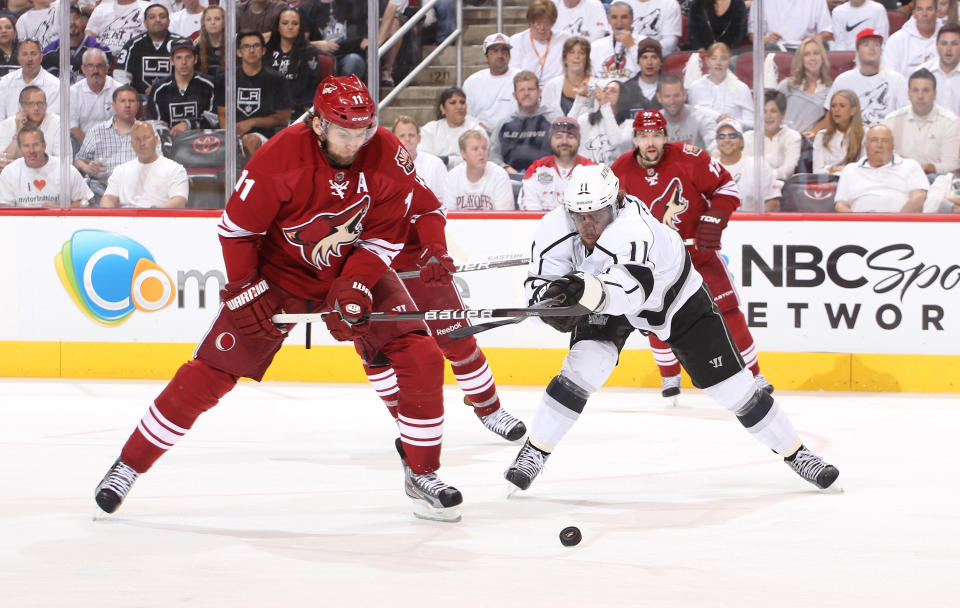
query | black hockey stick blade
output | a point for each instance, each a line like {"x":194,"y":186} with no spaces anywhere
{"x":541,"y":309}
{"x":472,"y":330}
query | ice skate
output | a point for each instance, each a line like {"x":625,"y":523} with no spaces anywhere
{"x":670,"y":389}
{"x":812,"y":468}
{"x":432,"y":498}
{"x":527,"y":465}
{"x":114,"y":486}
{"x":763,"y":384}
{"x":504,"y":424}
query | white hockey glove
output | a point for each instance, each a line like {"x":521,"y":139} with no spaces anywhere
{"x":577,"y":289}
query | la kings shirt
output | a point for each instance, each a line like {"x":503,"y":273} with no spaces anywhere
{"x":172,"y":105}
{"x":262,"y":94}
{"x":145,"y":63}
{"x":114,"y":25}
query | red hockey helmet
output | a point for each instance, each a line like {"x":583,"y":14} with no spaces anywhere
{"x":649,"y":120}
{"x":346,"y":102}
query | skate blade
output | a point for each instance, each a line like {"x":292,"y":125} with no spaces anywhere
{"x":672,"y":401}
{"x":835,"y":488}
{"x":422,"y":510}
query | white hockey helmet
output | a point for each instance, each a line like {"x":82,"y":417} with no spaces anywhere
{"x":589,"y":188}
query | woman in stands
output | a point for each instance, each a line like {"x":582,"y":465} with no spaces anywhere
{"x":603,"y":138}
{"x":841,"y":142}
{"x":8,"y":46}
{"x":807,"y":86}
{"x":781,"y":146}
{"x":717,"y":21}
{"x":210,"y":41}
{"x":720,"y":90}
{"x":570,"y":94}
{"x":946,"y":12}
{"x":441,"y":137}
{"x":289,"y":53}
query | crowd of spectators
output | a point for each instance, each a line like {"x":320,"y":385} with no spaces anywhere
{"x":559,"y":93}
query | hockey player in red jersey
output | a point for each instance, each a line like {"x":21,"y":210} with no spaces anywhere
{"x":426,"y":251}
{"x":693,"y":194}
{"x":315,"y":221}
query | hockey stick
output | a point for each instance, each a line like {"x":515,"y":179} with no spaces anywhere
{"x":443,"y":314}
{"x":471,"y":330}
{"x":504,"y":262}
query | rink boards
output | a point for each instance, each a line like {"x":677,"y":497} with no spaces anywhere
{"x":834,"y":302}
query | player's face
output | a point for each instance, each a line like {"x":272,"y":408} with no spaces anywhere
{"x":343,"y":144}
{"x":34,"y":105}
{"x":183,"y":62}
{"x":772,"y":118}
{"x":922,"y":95}
{"x":869,"y":51}
{"x":650,"y":64}
{"x":577,"y":59}
{"x":620,"y":18}
{"x":7,"y":32}
{"x":455,"y":110}
{"x":157,"y":20}
{"x":672,"y":98}
{"x":289,"y":24}
{"x":925,"y":12}
{"x":408,"y":136}
{"x":541,"y":29}
{"x":212,"y":21}
{"x":564,"y":145}
{"x":841,"y":111}
{"x":649,"y":146}
{"x":591,"y":224}
{"x":729,"y":142}
{"x":498,"y":59}
{"x":95,"y":70}
{"x":948,"y":47}
{"x":32,"y":149}
{"x":812,"y":59}
{"x":718,"y":63}
{"x":29,"y":57}
{"x":126,"y":105}
{"x":475,"y":153}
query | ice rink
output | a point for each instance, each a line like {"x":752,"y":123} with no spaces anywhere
{"x":291,"y":495}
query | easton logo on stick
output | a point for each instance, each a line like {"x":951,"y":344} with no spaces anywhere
{"x":323,"y":237}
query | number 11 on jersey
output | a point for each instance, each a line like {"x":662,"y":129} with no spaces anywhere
{"x":246,"y":183}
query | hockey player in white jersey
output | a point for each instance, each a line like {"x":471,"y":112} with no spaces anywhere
{"x":624,"y":270}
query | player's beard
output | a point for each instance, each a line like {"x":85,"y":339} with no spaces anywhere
{"x":337,"y":161}
{"x":645,"y":160}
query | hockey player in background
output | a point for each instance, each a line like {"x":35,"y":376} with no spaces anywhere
{"x":693,"y":194}
{"x":622,"y":269}
{"x":315,"y":220}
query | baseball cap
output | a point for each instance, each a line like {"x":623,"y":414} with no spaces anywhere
{"x":868,"y":32}
{"x":181,"y":43}
{"x":495,"y":39}
{"x":733,"y":123}
{"x":648,"y":45}
{"x":565,"y":124}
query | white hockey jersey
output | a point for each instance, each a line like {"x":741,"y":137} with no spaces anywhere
{"x":643,"y":265}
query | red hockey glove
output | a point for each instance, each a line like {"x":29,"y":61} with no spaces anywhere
{"x":251,"y":303}
{"x":436,"y":265}
{"x":710,"y":229}
{"x":351,"y":301}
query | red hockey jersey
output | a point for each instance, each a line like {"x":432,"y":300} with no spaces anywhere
{"x":295,"y":220}
{"x":684,"y":184}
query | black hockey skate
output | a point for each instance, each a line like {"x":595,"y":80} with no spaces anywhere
{"x":812,"y":468}
{"x":114,"y":486}
{"x":526,"y":466}
{"x":670,"y":388}
{"x":432,"y":498}
{"x":504,"y":424}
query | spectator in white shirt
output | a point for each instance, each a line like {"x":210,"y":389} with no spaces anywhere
{"x":150,"y":180}
{"x":658,"y":19}
{"x":883,"y":182}
{"x":440,"y":137}
{"x":34,"y":179}
{"x":539,"y":48}
{"x":602,"y":139}
{"x":787,"y":22}
{"x":584,"y":18}
{"x":478,"y":184}
{"x":720,"y":90}
{"x":944,"y":194}
{"x":430,"y":168}
{"x":730,"y":144}
{"x":115,"y":23}
{"x":806,"y":87}
{"x":570,"y":94}
{"x":490,"y":92}
{"x":187,"y":21}
{"x":695,"y":125}
{"x":841,"y":141}
{"x":944,"y":67}
{"x":91,"y":99}
{"x":781,"y":145}
{"x":33,"y":112}
{"x":881,"y":90}
{"x":915,"y":43}
{"x":29,"y":57}
{"x":39,"y":23}
{"x":854,"y":15}
{"x":615,"y":56}
{"x":924,"y":130}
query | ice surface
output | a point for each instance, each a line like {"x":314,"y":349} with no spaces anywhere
{"x":291,"y":495}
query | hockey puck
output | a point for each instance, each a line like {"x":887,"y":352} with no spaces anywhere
{"x":570,"y":536}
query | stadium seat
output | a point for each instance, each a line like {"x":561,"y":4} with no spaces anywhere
{"x":809,"y":193}
{"x":206,"y":191}
{"x":675,"y":62}
{"x":744,"y":66}
{"x":841,"y":61}
{"x":896,"y":20}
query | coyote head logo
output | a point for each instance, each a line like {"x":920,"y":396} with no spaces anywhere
{"x":326,"y":234}
{"x":672,"y":204}
{"x":648,"y":24}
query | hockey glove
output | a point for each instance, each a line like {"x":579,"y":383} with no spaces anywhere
{"x":577,"y":289}
{"x":710,"y":228}
{"x":351,"y":301}
{"x":251,"y":303}
{"x":436,"y":265}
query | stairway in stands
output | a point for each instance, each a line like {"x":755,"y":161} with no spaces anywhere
{"x":419,"y":99}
